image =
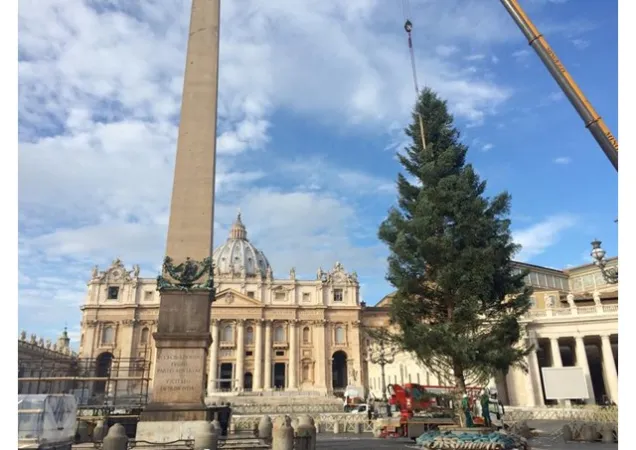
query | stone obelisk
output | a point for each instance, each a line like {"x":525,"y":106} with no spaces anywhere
{"x":186,"y":285}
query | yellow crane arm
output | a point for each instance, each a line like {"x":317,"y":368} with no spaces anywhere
{"x":593,"y":122}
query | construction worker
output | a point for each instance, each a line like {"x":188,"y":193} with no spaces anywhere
{"x":466,"y":408}
{"x":484,"y":400}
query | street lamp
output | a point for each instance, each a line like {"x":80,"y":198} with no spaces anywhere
{"x":598,"y":254}
{"x":381,"y":353}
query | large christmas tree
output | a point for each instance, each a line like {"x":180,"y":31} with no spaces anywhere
{"x":459,"y":296}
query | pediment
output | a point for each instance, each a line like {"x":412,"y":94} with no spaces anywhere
{"x":116,"y":273}
{"x":230,"y":297}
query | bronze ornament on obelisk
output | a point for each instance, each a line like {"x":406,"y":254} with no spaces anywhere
{"x":186,"y":284}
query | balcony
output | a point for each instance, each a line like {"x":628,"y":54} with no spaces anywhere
{"x":583,"y":311}
{"x":280,"y":345}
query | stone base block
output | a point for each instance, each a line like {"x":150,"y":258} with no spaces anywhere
{"x":161,"y":412}
{"x":168,"y":431}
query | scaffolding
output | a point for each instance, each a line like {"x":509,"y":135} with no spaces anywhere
{"x":101,"y":386}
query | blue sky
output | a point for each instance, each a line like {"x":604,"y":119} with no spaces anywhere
{"x":313,"y":99}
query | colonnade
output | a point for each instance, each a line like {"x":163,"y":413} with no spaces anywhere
{"x":535,"y":395}
{"x":259,"y":349}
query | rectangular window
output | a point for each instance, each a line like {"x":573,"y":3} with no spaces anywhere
{"x":279,"y":296}
{"x":337,"y":295}
{"x":250,"y":294}
{"x":280,"y":353}
{"x":306,"y":297}
{"x":535,"y":279}
{"x":248,"y":353}
{"x":113,"y":292}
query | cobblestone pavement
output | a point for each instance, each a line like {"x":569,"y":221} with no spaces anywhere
{"x":368,"y":442}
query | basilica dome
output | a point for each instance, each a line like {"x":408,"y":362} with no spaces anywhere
{"x":237,"y":256}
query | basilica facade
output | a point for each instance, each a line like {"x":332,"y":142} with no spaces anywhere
{"x":268,"y":334}
{"x":307,"y":336}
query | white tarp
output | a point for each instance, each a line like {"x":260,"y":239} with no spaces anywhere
{"x":46,"y":418}
{"x":564,"y":383}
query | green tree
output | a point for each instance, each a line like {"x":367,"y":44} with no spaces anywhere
{"x":459,"y":296}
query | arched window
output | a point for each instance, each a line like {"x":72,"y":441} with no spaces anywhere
{"x":249,"y":336}
{"x":306,"y":335}
{"x":227,"y":335}
{"x":340,"y":335}
{"x":143,"y":339}
{"x":108,"y":335}
{"x":279,"y":334}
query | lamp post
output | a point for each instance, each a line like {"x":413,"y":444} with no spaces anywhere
{"x":598,"y":254}
{"x":381,"y":353}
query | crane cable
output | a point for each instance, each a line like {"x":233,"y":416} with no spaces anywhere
{"x":408,"y":27}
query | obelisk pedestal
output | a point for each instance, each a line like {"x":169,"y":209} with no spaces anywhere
{"x":182,"y":340}
{"x":177,"y":409}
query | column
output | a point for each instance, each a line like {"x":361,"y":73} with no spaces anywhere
{"x":129,"y":342}
{"x":257,"y":383}
{"x":609,"y":368}
{"x":321,"y":358}
{"x":240,"y":354}
{"x":555,"y":351}
{"x":214,"y":358}
{"x":293,"y":349}
{"x":267,"y":364}
{"x":534,"y":378}
{"x":581,"y":361}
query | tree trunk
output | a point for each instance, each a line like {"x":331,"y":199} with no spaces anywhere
{"x":460,"y":381}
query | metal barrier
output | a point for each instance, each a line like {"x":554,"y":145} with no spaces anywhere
{"x":601,"y":414}
{"x":293,"y":408}
{"x":231,"y":442}
{"x":181,"y":444}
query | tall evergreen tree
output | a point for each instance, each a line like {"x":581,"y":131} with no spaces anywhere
{"x":458,"y":297}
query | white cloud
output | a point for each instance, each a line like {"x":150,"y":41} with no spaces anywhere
{"x":536,"y":239}
{"x":564,"y":160}
{"x":580,"y":44}
{"x":522,"y":54}
{"x":446,"y":50}
{"x":316,"y":174}
{"x":487,"y":147}
{"x":475,"y":57}
{"x":556,"y":96}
